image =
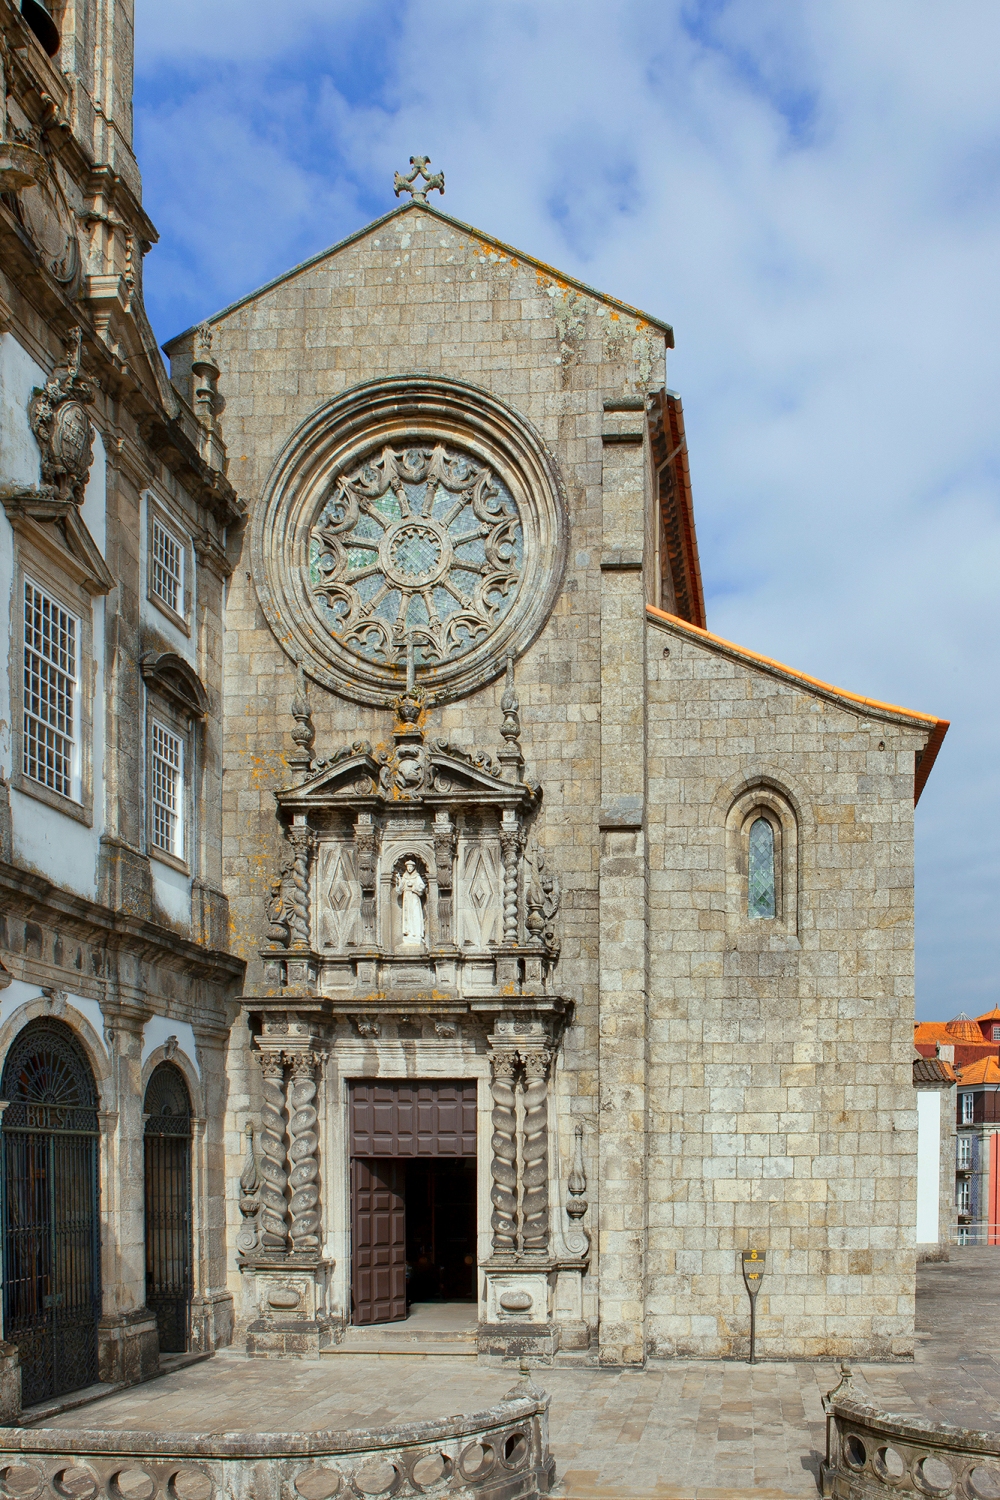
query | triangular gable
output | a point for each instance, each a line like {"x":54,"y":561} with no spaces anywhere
{"x":500,"y":247}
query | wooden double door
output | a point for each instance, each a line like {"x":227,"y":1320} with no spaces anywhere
{"x":413,"y":1196}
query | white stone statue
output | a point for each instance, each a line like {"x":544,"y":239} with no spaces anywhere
{"x":410,"y":886}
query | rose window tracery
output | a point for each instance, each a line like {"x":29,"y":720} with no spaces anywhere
{"x":420,"y":545}
{"x":411,"y":519}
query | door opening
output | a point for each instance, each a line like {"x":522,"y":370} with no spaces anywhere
{"x":413,"y":1197}
{"x":168,"y":1206}
{"x":440,"y":1206}
{"x":51,"y":1250}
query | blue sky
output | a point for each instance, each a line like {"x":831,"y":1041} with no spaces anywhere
{"x":808,"y":193}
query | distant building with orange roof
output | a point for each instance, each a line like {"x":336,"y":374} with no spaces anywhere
{"x":960,"y":1040}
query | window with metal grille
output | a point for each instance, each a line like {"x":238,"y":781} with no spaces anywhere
{"x":51,"y":680}
{"x":166,"y":788}
{"x":996,"y":1033}
{"x":967,"y":1108}
{"x":167,"y":574}
{"x":964,"y":1158}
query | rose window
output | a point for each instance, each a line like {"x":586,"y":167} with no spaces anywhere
{"x":418,"y":547}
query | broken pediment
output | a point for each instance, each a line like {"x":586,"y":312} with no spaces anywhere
{"x":54,"y":524}
{"x":413,"y":769}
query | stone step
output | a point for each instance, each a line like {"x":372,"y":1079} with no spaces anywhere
{"x":409,"y":1338}
{"x":422,"y":1348}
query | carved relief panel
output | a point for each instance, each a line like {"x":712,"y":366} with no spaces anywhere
{"x":479,"y":892}
{"x":338,"y":897}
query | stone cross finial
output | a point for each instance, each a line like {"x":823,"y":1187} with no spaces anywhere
{"x":432,"y":180}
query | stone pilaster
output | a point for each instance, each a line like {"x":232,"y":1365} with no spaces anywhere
{"x":127,"y":1340}
{"x":623,"y":917}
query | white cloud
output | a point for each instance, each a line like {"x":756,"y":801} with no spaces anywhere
{"x":808,"y":193}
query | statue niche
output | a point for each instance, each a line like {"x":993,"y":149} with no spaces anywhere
{"x":410,"y":886}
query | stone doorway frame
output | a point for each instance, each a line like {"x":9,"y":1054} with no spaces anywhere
{"x":354,"y":1059}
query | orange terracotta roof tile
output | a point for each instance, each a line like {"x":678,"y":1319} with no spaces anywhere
{"x":962,"y":1029}
{"x":987,"y":1070}
{"x":990,"y":1015}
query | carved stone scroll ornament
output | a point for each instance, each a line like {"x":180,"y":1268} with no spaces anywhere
{"x":303,"y":1178}
{"x":577,"y":1238}
{"x":62,"y":427}
{"x":542,"y":900}
{"x":535,"y":1159}
{"x":279,"y":905}
{"x":504,"y":1164}
{"x":248,"y":1237}
{"x":274,"y":1208}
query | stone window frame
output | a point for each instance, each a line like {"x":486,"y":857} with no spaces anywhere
{"x":158,"y":514}
{"x":35,"y":564}
{"x":762,"y":800}
{"x":171,"y":717}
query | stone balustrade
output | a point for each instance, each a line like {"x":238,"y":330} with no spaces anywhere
{"x":871,"y":1454}
{"x":500,"y":1453}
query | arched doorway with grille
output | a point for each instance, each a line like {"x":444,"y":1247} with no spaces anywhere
{"x":51,"y":1225}
{"x":168,"y":1205}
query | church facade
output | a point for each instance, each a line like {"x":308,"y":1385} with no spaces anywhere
{"x":472,"y":924}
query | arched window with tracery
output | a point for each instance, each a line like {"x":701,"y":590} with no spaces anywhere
{"x":761,"y":878}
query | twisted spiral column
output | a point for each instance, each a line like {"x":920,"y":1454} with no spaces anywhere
{"x":504,"y":1164}
{"x":273,"y":1214}
{"x":303,"y":1178}
{"x":535,"y":1154}
{"x":298,"y":917}
{"x":510,"y":845}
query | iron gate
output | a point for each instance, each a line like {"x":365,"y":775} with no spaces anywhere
{"x":51,"y":1245}
{"x":168,"y":1206}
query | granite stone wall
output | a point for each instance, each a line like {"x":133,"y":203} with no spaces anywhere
{"x":737,"y":1088}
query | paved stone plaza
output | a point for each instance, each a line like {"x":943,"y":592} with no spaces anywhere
{"x":689,"y":1428}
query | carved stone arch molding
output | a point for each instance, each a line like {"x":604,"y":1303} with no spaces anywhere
{"x":60,"y":1008}
{"x":185,"y":1066}
{"x":412,"y":512}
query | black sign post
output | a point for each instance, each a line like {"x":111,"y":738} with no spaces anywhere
{"x":753,"y":1271}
